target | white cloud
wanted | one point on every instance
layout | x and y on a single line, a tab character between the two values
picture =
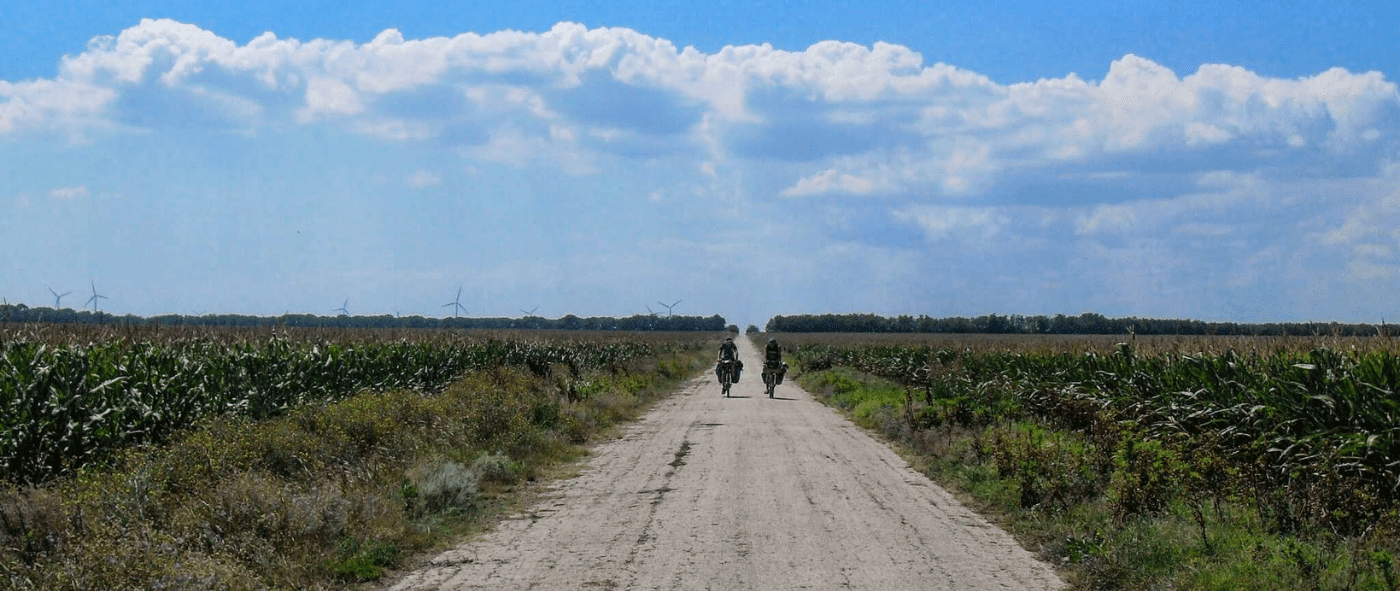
522	149
59	104
1147	161
1365	234
1358	225
1361	270
1209	211
1374	250
1108	219
1198	133
956	222
423	178
946	130
831	181
1376	215
331	96
69	193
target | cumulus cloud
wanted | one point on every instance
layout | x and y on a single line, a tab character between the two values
829	181
1365	234
67	105
1376	217
954	222
841	109
69	193
873	145
1146	185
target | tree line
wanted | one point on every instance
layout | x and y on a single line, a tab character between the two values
25	314
1087	323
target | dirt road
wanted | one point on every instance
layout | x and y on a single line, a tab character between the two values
742	493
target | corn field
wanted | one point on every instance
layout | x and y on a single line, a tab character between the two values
66	402
1307	436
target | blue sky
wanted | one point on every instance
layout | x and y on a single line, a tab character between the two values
1212	160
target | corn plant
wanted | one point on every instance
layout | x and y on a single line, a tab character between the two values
1294	427
64	405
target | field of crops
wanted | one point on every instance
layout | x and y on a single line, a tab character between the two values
150	458
1294	438
70	394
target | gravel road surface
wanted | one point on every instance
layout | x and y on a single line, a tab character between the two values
741	493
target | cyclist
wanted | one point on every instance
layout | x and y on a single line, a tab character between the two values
773	366
728	357
773	354
728	351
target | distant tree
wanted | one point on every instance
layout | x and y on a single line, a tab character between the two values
1085	323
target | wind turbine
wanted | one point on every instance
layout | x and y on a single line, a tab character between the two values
58	297
668	307
342	309
530	312
456	304
95	296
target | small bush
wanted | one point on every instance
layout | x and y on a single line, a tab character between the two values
445	484
364	560
867	409
1147	476
496	468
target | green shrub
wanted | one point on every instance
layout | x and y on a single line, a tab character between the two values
364	560
1147	475
496	467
